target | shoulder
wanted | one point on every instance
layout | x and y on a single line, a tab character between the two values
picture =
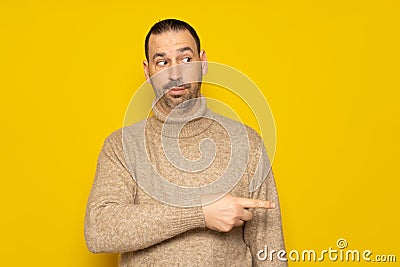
116	136
253	135
112	144
114	141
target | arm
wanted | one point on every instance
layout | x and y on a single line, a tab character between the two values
113	223
265	228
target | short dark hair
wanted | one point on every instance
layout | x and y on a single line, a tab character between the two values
170	25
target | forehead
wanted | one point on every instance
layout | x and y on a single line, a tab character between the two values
169	41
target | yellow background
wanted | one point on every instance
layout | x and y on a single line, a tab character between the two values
329	69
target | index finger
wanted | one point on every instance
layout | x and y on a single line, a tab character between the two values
255	203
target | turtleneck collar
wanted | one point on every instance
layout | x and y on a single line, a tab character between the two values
182	125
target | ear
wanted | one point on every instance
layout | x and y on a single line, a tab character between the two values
146	70
204	63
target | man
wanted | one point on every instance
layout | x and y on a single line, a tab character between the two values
153	204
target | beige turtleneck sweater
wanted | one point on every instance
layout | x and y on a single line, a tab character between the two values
128	212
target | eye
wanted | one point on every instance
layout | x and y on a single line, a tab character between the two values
161	63
186	59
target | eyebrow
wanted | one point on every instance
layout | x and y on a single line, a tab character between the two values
159	55
181	50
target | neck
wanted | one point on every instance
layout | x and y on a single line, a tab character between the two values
185	110
185	121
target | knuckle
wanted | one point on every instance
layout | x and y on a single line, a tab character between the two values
231	222
226	228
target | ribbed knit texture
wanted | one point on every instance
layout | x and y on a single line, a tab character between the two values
122	218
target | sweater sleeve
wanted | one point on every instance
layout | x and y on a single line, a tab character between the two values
264	231
114	223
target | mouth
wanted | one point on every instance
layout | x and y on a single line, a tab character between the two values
178	90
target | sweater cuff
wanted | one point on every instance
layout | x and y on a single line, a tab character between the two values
190	218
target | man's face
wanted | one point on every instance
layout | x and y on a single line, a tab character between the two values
170	69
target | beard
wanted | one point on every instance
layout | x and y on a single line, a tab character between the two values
170	102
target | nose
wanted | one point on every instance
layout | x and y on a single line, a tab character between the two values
175	73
